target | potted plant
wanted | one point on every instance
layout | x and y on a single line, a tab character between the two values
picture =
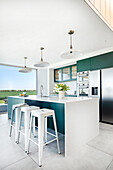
61	89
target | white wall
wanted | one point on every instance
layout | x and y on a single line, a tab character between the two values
51	80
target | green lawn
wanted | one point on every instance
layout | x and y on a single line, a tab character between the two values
5	94
2	101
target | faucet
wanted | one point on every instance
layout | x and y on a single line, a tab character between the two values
41	90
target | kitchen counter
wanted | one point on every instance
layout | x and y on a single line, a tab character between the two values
77	117
54	99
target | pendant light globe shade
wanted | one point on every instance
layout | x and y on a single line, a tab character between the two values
42	63
68	55
25	69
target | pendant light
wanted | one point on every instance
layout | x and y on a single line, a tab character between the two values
25	69
70	54
42	63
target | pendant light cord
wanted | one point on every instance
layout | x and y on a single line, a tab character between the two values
41	56
25	61
71	32
42	53
71	43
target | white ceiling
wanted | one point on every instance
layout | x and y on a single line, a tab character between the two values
26	25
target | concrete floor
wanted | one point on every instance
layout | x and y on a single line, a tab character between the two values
96	155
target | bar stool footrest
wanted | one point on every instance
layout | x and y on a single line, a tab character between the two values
50	141
43	143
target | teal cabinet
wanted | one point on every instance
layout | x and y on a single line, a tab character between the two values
84	65
64	74
102	61
95	63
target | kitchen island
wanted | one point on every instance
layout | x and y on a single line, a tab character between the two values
77	117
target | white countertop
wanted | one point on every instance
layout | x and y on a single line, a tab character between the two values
54	98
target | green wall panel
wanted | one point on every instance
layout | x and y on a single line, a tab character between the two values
84	65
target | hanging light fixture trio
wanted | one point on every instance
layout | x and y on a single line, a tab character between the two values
67	55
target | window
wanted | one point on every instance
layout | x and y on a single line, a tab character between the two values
12	82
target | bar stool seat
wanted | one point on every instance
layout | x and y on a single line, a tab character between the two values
16	108
41	115
26	111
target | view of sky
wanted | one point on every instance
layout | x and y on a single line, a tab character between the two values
11	79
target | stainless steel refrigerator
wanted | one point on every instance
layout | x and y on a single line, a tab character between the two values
106	95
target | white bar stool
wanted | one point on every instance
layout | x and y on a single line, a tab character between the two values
16	108
26	110
41	114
